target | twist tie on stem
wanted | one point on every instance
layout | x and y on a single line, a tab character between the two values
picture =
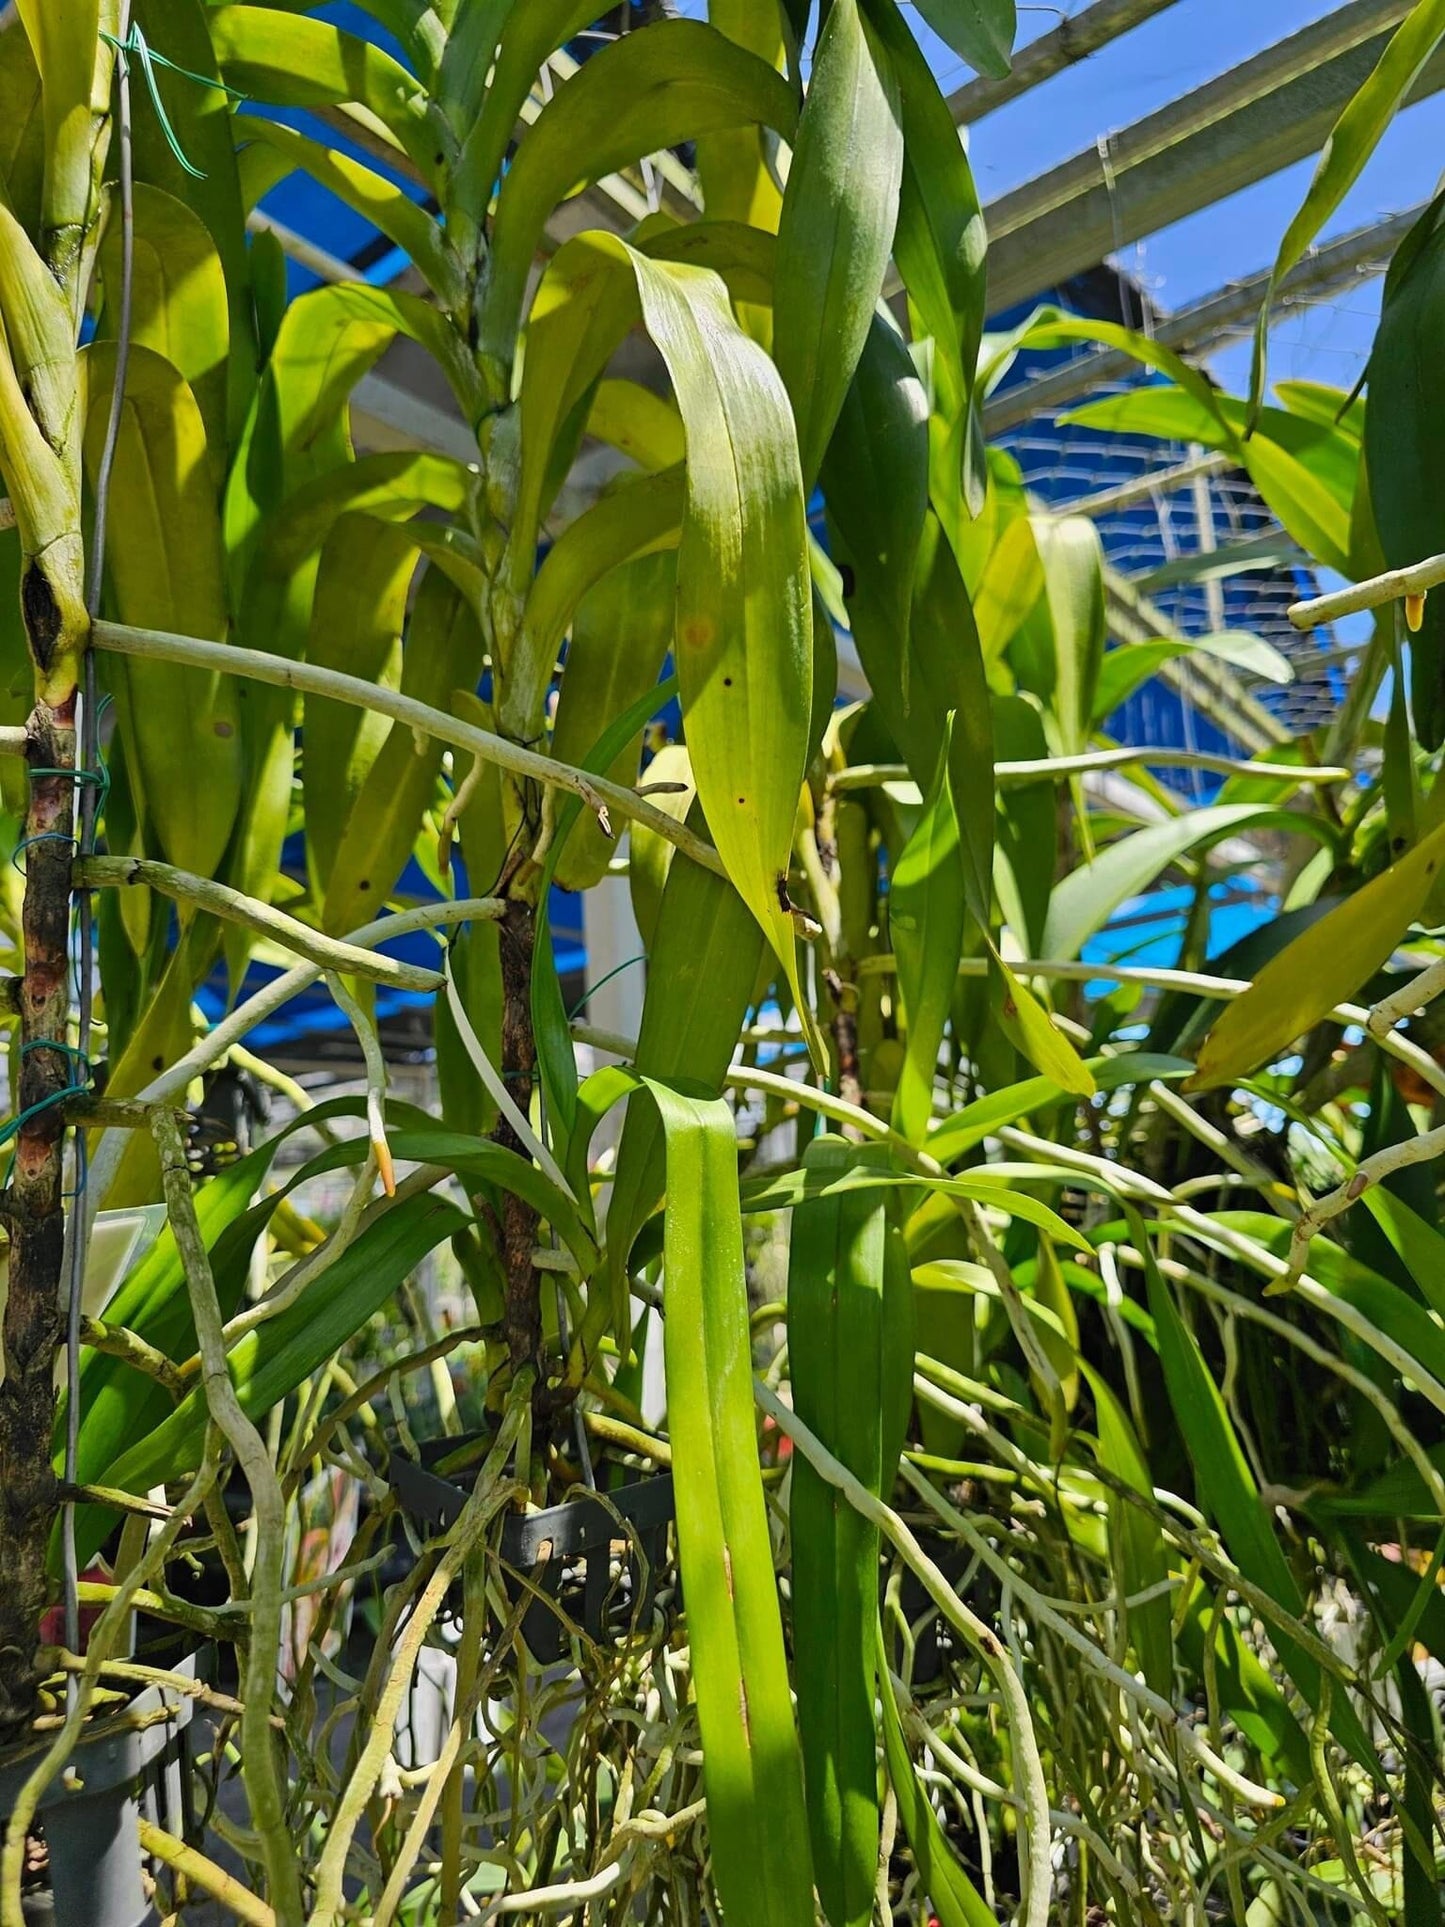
54	1043
135	43
99	778
45	836
17	1124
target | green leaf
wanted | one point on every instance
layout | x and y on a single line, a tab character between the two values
757	1825
1405	446
733	164
1027	826
940	247
271	1360
71	58
276	617
1130	665
204	124
745	257
637	423
621	634
1032	1031
798	1187
1073	562
165	571
837	1327
1229	1494
289	60
443	647
1161	409
702	971
983	1118
1143	1560
744	604
1354	138
299	427
363	582
178	300
634	518
650	855
1086	899
979	31
1418	1242
875	483
946	644
1226	1485
1324	966
22	132
926	919
376	199
647	91
485	102
838	219
947	649
956	1900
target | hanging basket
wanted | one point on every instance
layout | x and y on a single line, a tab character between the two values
599	1560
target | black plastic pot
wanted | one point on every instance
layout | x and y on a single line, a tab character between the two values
582	1556
91	1811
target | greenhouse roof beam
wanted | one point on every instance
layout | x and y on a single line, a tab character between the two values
1208	683
1237	129
1144	488
1054	53
1231	311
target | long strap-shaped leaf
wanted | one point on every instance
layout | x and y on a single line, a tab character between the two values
1229	1493
289	60
927	915
1352	141
837	225
850	1343
744	600
756	1822
939	248
956	1901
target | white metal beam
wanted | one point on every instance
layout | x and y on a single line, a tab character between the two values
1249	123
1053	53
385	415
1232	311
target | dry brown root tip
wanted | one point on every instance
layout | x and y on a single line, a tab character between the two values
1414	613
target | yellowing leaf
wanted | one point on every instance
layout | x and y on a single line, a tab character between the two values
1323	967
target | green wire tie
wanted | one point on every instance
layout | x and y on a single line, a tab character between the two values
135	43
100	777
17	1124
76	1055
45	836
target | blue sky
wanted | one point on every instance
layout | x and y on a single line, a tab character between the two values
1184	46
1187	44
